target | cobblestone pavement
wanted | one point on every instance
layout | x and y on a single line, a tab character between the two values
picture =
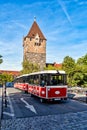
70	121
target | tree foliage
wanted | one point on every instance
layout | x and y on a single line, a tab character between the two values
68	64
1	60
50	67
29	67
6	78
77	72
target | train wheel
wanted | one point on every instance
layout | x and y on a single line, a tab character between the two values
65	98
31	95
26	92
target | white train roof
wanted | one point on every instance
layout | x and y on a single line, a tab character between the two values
44	72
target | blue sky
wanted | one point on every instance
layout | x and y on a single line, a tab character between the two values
63	22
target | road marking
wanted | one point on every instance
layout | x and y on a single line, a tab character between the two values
31	107
9	114
11	107
7	105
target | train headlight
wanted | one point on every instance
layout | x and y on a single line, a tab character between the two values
43	92
57	92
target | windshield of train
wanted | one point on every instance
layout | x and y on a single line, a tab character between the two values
56	79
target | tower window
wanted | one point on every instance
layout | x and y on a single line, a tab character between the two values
30	39
36	38
41	40
37	44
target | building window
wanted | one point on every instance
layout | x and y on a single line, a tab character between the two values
37	39
37	44
30	39
41	40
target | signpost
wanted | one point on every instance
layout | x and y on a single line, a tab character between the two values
5	96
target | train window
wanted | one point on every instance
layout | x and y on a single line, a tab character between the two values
43	80
28	79
31	81
36	79
56	79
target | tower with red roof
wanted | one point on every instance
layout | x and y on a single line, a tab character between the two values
34	46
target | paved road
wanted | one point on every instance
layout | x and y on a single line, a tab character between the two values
23	105
25	112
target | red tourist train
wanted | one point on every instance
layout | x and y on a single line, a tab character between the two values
47	85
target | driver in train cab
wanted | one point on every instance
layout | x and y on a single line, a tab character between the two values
54	81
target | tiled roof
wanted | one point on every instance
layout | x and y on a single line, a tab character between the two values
57	65
15	73
35	30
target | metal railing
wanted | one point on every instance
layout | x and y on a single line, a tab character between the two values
78	92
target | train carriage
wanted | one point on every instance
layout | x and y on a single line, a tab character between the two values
47	85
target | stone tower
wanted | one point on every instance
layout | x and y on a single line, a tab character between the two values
34	46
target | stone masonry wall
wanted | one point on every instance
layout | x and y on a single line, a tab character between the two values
38	58
29	46
35	53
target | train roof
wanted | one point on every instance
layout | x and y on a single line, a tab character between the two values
44	72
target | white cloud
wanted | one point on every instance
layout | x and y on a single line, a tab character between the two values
65	11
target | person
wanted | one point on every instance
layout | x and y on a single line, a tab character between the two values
42	83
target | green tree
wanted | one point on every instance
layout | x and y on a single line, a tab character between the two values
29	67
78	78
1	60
82	63
50	67
6	78
68	65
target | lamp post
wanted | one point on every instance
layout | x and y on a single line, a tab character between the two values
5	94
